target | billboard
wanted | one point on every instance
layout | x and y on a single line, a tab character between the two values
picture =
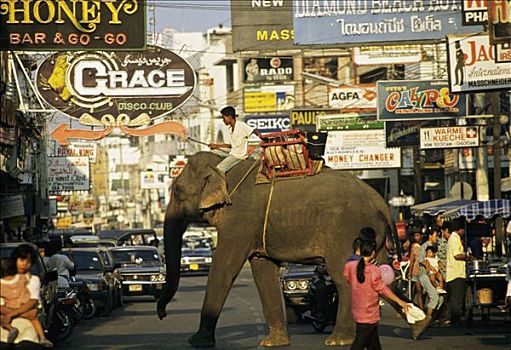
472	66
353	97
363	149
406	133
261	70
120	88
390	54
54	25
418	99
348	121
449	137
267	123
499	20
77	149
362	21
474	12
268	98
262	25
305	119
68	174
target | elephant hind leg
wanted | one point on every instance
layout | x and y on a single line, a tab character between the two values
266	276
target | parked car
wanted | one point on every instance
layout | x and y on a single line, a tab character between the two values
49	284
196	253
142	270
116	275
132	237
95	242
296	281
91	268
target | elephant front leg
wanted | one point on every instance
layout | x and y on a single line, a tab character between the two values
266	276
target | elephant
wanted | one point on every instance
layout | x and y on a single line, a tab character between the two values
309	220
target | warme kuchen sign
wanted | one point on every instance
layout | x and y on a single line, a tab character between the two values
449	137
115	89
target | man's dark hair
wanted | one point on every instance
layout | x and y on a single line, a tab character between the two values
23	251
367	233
455	225
229	110
433	248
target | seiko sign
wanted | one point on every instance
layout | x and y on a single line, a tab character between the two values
269	123
101	88
268	69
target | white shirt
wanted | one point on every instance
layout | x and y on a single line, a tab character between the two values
455	268
239	139
62	264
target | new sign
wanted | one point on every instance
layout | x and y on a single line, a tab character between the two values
68	174
121	88
53	25
269	98
362	21
449	137
420	99
268	69
472	66
364	149
353	97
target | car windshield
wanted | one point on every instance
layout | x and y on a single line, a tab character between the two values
87	261
136	257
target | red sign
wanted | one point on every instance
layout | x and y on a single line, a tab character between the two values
499	19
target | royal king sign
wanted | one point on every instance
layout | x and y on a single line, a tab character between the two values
56	25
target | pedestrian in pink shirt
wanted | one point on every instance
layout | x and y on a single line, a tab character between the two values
366	285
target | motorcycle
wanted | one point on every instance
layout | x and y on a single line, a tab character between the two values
323	301
63	321
84	306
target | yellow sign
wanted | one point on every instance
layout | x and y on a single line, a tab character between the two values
260	101
274	98
64	222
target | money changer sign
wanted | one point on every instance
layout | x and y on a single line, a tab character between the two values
72	25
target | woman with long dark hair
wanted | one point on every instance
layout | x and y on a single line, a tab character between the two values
366	285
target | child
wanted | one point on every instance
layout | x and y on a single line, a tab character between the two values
433	269
16	293
366	285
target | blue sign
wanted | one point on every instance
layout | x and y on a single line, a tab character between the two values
376	21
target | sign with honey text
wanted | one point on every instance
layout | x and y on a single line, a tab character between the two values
418	99
68	174
54	25
115	89
499	20
475	12
449	137
353	97
362	149
472	66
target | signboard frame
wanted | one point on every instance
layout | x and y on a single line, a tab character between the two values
427	137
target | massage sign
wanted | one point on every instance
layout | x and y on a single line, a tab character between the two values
50	25
124	90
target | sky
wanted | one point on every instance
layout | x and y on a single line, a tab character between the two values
191	15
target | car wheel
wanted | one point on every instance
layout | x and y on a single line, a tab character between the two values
292	315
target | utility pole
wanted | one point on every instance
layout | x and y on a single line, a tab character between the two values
495	110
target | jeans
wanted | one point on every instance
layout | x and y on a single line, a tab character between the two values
366	337
228	162
456	289
434	301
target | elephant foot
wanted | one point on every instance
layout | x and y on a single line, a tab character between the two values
280	339
202	340
339	340
420	327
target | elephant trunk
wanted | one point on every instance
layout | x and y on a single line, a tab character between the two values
173	237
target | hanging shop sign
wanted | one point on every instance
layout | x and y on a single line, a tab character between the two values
418	99
121	89
406	133
268	69
363	149
389	54
177	165
474	12
353	97
262	25
268	98
305	119
472	66
154	180
502	53
53	25
348	121
68	174
77	149
449	137
499	20
363	21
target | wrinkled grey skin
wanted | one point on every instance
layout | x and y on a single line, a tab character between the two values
312	219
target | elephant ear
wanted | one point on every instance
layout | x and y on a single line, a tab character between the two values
214	189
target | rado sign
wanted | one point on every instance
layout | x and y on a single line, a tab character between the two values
101	88
268	69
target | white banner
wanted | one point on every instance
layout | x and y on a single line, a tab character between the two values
472	65
68	174
392	54
360	96
363	149
77	149
449	137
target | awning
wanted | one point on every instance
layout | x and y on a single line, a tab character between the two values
440	206
487	209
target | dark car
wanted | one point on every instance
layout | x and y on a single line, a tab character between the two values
131	237
49	284
296	281
116	275
196	253
91	268
142	270
92	243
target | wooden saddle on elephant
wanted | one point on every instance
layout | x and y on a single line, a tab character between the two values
285	154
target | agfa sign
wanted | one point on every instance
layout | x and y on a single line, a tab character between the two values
118	88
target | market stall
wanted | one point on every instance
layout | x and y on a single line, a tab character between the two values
488	275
